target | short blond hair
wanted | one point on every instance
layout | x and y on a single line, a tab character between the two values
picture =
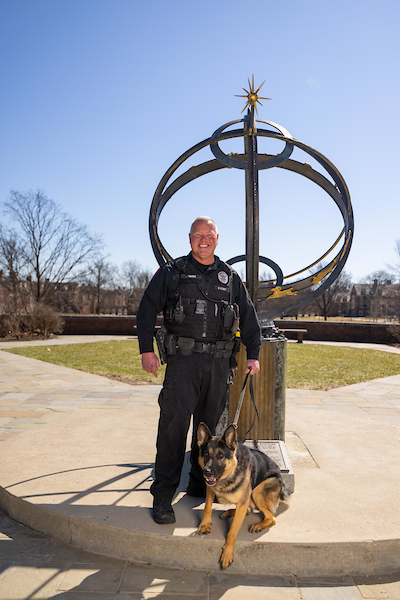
204	219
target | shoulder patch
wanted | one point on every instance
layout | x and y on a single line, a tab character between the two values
223	277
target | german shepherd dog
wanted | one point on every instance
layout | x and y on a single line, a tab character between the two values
237	475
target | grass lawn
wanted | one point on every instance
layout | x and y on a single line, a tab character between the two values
309	366
117	359
320	367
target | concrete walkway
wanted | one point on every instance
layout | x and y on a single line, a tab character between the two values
76	458
34	567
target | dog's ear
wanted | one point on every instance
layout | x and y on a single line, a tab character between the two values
203	434
230	437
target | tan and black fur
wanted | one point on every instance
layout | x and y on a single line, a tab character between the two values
237	475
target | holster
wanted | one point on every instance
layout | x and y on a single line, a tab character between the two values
160	341
170	344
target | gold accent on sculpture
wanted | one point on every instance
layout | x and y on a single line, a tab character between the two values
347	243
322	274
279	292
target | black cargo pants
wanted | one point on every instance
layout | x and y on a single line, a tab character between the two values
193	385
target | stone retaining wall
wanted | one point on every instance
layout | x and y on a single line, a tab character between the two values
377	333
333	331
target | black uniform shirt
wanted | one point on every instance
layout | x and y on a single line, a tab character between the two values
155	296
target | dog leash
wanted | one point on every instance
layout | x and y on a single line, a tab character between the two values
239	407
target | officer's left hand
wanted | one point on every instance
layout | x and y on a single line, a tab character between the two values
253	366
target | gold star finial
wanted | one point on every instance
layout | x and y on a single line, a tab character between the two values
252	95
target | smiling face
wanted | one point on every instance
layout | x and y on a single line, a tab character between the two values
203	241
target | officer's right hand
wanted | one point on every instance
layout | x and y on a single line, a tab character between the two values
150	363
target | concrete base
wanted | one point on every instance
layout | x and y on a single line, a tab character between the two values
276	449
85	480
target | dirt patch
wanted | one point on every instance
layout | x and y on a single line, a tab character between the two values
133	381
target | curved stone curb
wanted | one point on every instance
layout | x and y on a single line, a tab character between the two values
202	553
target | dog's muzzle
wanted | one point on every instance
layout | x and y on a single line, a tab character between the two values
211	481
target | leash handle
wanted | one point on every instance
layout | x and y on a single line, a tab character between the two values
239	406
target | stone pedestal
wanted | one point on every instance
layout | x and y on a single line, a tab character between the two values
276	450
268	429
269	393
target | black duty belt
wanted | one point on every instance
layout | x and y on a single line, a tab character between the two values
204	347
186	346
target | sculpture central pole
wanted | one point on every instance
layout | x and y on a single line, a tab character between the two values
252	206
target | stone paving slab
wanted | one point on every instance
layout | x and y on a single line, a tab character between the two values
49	569
66	390
41	389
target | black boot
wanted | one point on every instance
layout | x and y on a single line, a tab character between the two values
163	513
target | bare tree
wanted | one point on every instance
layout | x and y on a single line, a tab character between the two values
134	280
379	278
267	275
395	267
55	247
325	302
130	271
12	266
14	289
100	281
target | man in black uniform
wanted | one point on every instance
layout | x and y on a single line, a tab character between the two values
203	300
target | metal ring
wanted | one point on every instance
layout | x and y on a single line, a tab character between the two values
337	190
262	162
266	261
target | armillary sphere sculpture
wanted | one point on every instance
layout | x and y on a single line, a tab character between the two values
284	294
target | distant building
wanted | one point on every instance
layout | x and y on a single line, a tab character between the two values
361	299
376	300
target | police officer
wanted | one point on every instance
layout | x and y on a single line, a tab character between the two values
203	301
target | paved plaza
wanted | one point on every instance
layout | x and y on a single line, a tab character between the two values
77	452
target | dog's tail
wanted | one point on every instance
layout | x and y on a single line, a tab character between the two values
275	480
284	494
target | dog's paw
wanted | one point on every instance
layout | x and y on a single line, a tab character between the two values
231	513
226	556
228	514
204	528
257	527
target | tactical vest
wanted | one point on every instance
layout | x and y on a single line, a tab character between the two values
196	306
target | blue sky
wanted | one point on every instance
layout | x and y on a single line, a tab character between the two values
99	97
